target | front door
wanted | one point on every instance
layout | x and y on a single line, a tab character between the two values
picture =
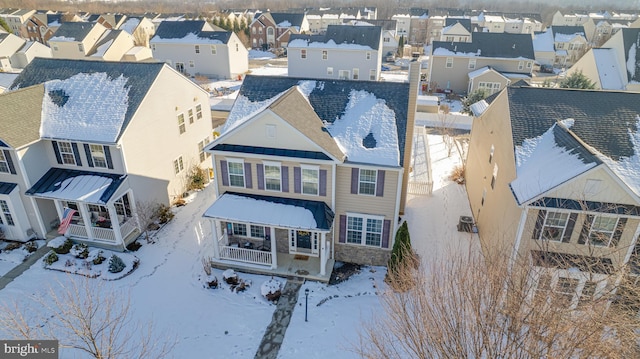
303	242
180	67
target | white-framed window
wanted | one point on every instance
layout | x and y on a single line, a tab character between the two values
325	54
236	172
237	48
449	63
239	229
373	75
356	74
153	47
80	47
588	292
303	54
364	230
528	64
191	63
367	181
214	51
203	155
198	111
178	165
98	156
4	165
555	223
343	74
66	153
489	87
494	176
55	47
181	126
330	71
602	230
197	49
4	206
368	55
472	64
260	30
272	176
190	112
449	39
566	289
520	65
257	231
310	179
253	30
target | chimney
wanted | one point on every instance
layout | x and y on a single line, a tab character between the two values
414	87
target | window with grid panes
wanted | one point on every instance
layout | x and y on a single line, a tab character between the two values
367	182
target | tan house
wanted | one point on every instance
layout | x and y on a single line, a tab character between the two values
112	46
456	30
545	180
570	44
74	40
79	135
451	62
331	192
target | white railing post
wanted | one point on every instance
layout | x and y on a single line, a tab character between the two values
323	254
274	253
216	241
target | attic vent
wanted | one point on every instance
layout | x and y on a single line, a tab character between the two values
59	97
369	141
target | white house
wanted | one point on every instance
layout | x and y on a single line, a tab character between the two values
194	48
74	40
92	136
343	52
9	45
29	51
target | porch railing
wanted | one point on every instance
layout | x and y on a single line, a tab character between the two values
127	228
77	231
245	255
101	234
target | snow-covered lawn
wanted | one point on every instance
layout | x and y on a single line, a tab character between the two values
169	285
11	258
260	55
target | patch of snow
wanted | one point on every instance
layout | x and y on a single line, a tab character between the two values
365	114
102	49
130	25
94	111
62	39
270	287
244	109
536	162
628	168
298	43
607	65
543	42
260	55
284	24
236	208
56	242
631	62
190	38
479	107
567	37
306	87
84	188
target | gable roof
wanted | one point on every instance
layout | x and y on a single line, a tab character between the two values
487	44
133	78
606	122
190	31
380	106
73	31
104	42
450	21
608	72
21	110
341	36
384	24
567	33
631	43
77	185
285	19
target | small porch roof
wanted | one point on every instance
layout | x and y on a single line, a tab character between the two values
74	185
6	187
272	211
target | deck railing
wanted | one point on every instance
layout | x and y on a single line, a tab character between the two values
245	255
101	234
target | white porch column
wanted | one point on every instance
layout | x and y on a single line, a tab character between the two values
86	219
274	255
323	253
59	208
216	239
115	224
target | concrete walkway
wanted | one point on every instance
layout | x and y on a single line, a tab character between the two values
20	268
274	334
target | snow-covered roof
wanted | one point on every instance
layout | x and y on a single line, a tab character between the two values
130	25
188	32
74	185
272	211
608	71
73	31
479	107
341	37
367	120
543	42
485	44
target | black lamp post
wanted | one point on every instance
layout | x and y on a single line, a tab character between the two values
306	303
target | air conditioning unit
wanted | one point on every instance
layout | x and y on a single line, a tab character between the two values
465	224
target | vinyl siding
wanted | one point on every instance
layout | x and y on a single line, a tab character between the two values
367	204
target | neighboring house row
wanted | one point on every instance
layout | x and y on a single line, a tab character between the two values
389	37
270	29
15	19
16	53
92	136
320	19
614	66
193	48
315	169
343	52
551	175
490	61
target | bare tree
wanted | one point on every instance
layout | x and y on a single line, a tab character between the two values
86	316
145	217
471	306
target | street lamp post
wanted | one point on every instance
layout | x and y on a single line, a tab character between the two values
306	303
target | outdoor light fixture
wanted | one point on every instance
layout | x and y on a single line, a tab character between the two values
306	303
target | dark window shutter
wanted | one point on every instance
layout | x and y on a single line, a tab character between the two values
87	152
76	153
7	157
323	182
107	156
571	222
260	173
380	184
618	233
248	183
386	231
284	172
539	222
355	179
297	179
224	172
342	237
57	152
267	233
586	227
